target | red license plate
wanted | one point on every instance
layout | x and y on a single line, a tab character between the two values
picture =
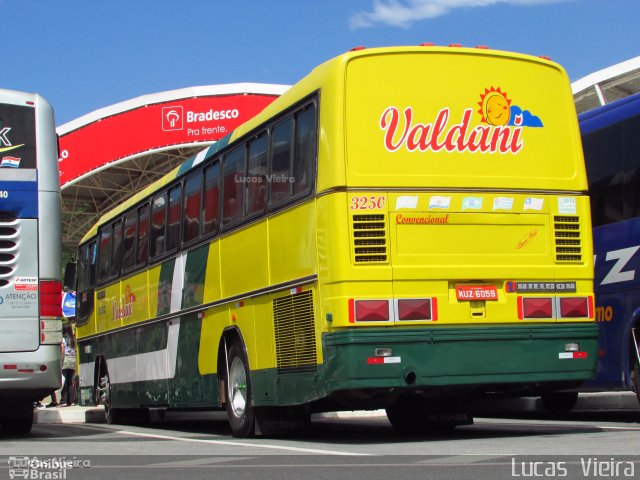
476	292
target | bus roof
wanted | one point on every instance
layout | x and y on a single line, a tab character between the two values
310	83
609	114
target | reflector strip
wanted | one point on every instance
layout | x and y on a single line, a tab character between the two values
563	355
520	313
434	309
381	360
352	309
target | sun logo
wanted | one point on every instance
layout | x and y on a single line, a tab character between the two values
494	106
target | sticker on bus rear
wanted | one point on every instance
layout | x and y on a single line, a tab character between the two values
26	283
567	205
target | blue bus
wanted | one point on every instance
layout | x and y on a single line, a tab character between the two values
30	258
611	141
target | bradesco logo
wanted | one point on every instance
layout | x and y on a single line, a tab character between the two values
174	118
500	130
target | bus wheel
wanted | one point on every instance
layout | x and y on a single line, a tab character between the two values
103	395
415	416
18	425
21	419
240	411
559	402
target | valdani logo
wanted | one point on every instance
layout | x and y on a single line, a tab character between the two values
124	308
499	131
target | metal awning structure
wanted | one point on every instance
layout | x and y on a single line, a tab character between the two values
110	154
607	85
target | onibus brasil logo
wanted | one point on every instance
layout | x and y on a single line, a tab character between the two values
500	129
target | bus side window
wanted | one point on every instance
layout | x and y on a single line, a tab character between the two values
104	261
93	264
305	149
158	224
192	208
129	246
175	212
142	252
281	152
606	174
631	152
257	174
211	198
233	186
86	282
116	253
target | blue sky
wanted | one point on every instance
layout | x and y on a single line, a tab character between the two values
87	54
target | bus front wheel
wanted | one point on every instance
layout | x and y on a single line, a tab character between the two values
238	404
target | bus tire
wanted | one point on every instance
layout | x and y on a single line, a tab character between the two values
416	416
18	426
104	397
238	403
559	402
20	421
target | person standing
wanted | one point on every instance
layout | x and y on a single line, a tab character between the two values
67	397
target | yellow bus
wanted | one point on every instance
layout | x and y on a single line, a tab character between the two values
406	228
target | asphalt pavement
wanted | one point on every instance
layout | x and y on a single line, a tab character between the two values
586	402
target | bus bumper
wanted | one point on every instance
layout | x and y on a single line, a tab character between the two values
484	358
33	379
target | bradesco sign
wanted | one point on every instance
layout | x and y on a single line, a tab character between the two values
150	127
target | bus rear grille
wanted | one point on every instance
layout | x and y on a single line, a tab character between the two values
369	239
568	240
9	229
295	333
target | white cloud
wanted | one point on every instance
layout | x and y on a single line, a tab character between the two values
402	13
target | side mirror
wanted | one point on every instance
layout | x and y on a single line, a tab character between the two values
69	277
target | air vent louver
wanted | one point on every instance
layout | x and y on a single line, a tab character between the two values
295	333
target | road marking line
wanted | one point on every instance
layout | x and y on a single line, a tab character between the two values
240	444
605	427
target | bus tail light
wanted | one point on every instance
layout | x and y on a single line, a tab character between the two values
50	298
50	331
417	309
50	312
548	307
574	307
370	310
535	307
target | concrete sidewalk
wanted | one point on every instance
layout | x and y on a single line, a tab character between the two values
74	414
586	402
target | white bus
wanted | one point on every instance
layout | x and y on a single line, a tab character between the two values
30	258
